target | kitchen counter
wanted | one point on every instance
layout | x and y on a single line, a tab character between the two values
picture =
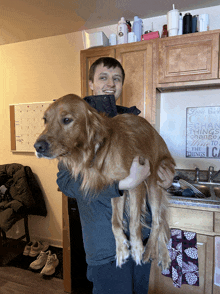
202	204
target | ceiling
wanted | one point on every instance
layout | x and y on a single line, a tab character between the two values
22	20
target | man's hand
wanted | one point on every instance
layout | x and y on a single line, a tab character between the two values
138	173
166	175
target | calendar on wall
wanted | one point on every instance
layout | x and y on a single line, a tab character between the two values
26	125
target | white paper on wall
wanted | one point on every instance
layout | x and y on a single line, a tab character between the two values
28	124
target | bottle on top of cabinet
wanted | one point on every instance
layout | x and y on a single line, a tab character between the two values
128	25
122	31
137	27
164	32
180	29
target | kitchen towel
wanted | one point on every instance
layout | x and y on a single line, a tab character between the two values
217	262
184	268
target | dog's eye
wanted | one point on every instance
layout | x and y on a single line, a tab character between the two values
45	120
67	120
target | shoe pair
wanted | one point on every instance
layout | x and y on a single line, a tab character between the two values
34	248
47	260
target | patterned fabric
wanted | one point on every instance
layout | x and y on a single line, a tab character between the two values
183	252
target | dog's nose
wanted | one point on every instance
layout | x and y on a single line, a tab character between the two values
41	146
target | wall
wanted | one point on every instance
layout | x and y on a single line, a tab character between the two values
38	70
42	70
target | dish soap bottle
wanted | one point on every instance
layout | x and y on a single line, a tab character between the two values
122	31
137	27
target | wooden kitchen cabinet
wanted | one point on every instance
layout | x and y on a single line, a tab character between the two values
137	61
217	223
202	223
189	57
194	220
160	284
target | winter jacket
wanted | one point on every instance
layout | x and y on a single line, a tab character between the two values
25	192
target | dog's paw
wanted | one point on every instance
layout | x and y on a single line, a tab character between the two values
137	250
149	253
164	260
122	253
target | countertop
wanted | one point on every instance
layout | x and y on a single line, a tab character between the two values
194	203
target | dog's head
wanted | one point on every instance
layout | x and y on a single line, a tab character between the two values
71	127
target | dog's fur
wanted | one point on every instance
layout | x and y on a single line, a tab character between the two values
102	149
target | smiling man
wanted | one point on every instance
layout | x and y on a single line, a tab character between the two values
106	78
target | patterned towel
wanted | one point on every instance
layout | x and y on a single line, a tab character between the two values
183	252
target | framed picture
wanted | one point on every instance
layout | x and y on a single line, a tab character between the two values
203	132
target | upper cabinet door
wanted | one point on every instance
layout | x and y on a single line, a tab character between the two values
189	58
87	57
137	61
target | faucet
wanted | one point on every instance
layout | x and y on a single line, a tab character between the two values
210	174
197	172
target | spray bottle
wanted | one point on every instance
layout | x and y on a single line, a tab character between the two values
122	31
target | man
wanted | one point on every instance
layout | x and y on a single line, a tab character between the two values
106	78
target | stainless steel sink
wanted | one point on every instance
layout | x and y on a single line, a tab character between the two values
204	189
209	191
217	191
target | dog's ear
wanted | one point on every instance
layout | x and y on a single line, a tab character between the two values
96	127
95	132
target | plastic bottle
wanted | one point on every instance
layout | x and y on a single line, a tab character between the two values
137	27
164	32
128	25
180	30
187	23
173	22
122	31
194	23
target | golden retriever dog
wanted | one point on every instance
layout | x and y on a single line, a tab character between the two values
102	149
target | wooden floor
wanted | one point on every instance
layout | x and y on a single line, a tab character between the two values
18	281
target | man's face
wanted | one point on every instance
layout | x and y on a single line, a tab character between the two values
107	81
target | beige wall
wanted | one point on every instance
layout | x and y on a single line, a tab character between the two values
32	71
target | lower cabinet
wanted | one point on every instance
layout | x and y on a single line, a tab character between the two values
160	284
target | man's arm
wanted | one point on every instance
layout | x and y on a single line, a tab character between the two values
71	186
138	173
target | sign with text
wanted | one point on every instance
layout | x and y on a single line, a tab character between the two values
203	132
